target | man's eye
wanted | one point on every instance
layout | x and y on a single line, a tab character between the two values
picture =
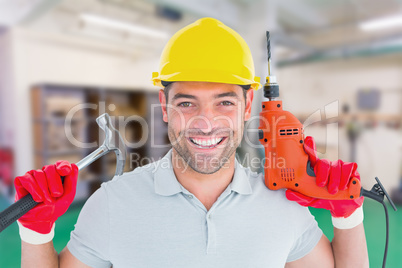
185	104
226	103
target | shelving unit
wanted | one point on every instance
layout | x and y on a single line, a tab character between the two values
131	114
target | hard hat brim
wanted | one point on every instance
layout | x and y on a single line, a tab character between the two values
206	76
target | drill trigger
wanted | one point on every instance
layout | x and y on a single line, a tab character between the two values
310	169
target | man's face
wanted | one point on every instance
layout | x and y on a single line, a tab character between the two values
205	122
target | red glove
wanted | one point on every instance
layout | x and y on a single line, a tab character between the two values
336	175
46	187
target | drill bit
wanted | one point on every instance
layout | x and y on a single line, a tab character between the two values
269	52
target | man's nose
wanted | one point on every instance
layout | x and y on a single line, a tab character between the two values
204	120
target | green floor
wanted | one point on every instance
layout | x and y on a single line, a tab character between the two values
374	222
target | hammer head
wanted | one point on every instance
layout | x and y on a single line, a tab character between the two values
113	141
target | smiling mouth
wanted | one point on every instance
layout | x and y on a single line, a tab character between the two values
206	143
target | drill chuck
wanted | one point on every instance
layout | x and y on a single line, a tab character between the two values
271	90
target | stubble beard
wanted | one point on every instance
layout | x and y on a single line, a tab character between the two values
203	163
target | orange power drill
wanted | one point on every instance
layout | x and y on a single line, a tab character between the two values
286	164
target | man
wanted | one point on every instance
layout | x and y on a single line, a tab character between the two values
196	207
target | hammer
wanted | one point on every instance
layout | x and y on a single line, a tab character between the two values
113	142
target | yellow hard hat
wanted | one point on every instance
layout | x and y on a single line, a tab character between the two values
207	51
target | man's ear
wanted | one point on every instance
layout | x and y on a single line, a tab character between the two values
163	101
247	111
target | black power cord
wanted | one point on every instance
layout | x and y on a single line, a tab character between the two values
377	193
386	235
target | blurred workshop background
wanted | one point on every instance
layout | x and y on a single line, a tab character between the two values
338	63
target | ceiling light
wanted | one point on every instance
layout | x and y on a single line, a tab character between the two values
383	23
120	25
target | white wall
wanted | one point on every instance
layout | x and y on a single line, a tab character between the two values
7	96
307	88
321	83
40	57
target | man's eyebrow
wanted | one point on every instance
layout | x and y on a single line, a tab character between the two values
180	95
227	94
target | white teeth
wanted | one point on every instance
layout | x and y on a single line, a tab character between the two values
206	143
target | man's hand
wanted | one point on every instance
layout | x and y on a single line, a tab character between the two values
349	243
46	187
36	226
336	176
